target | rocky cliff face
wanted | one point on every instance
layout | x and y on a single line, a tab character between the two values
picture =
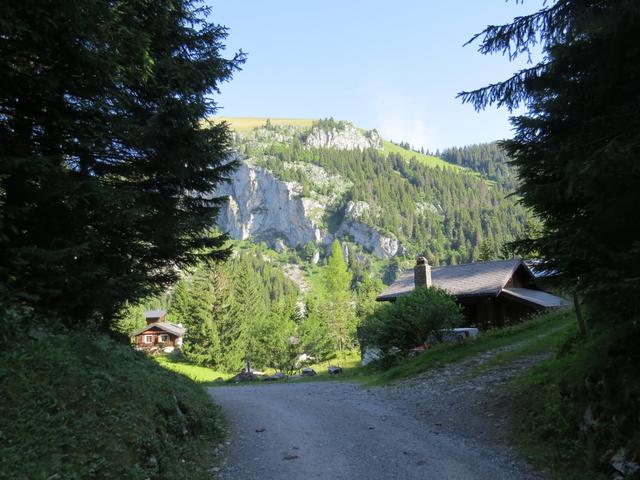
362	234
262	207
346	138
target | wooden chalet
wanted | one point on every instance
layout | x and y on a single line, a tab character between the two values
158	334
492	294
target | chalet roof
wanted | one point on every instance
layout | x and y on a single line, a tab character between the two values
155	313
537	297
470	279
538	270
165	326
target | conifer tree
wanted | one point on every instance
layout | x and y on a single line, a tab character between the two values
192	307
314	330
577	149
337	282
105	161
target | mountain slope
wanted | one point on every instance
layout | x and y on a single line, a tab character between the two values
302	183
488	159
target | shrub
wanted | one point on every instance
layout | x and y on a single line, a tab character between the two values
411	320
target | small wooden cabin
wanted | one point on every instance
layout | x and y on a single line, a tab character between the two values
492	294
158	334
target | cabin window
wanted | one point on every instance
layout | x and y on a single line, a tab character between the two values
148	339
164	338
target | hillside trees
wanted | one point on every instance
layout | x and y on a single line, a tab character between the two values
340	315
489	159
191	305
444	212
102	151
577	149
233	311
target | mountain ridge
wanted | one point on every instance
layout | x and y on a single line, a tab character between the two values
310	182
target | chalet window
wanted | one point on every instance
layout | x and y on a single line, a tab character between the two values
164	338
148	339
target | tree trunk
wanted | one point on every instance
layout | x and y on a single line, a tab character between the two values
584	331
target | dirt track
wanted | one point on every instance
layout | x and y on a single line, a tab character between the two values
432	427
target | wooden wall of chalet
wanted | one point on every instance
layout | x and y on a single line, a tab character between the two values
155	333
486	312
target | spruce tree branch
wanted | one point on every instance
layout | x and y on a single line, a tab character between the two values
510	93
546	26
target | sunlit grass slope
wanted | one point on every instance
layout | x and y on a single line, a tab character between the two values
245	125
428	160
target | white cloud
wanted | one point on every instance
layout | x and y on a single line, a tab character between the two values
399	117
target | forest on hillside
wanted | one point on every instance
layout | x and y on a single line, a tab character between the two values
488	159
449	215
247	309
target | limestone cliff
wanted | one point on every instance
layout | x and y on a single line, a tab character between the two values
344	137
262	207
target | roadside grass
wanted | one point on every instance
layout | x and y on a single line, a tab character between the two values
545	421
79	405
194	372
448	353
597	374
547	342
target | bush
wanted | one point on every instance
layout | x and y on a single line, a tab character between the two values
411	320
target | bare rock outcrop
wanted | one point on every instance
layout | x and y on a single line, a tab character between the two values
265	208
346	137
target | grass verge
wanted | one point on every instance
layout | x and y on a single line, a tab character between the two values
574	411
194	372
444	354
78	406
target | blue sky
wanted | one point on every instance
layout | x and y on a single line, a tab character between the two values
392	65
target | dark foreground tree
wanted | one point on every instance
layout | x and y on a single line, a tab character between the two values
104	156
578	148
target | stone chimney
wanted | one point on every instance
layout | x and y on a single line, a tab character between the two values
422	273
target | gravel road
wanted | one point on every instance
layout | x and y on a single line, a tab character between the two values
432	427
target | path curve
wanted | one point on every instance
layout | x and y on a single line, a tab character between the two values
338	430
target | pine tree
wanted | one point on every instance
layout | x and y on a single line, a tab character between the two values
249	308
191	306
105	162
314	330
486	251
577	149
337	282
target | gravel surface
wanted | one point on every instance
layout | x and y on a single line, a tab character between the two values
438	426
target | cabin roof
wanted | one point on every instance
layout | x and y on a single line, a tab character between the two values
536	297
465	280
165	326
155	313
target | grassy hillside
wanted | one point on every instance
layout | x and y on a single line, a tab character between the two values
78	406
543	334
578	409
427	160
245	125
